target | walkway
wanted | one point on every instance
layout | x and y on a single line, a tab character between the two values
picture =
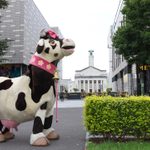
69	126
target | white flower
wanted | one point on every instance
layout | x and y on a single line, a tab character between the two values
40	62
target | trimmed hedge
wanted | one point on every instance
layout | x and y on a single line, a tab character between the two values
117	117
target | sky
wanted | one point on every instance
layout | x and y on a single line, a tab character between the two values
87	23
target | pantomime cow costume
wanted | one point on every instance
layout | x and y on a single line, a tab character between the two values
32	96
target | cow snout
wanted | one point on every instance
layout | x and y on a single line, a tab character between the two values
68	44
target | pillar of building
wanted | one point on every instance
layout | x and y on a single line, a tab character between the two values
91	58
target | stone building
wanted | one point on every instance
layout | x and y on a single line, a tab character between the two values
91	79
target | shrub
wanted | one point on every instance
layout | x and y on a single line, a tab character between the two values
117	117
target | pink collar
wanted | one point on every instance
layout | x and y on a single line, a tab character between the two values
43	64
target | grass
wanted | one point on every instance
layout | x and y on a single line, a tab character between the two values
119	146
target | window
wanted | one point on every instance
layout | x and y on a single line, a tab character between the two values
81	84
95	89
90	84
82	90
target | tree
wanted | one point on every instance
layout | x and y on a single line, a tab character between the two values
75	89
3	46
3	42
132	39
3	4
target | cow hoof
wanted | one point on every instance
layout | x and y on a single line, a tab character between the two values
2	138
41	142
53	136
6	136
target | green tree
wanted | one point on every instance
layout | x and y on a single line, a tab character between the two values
75	89
3	4
3	42
3	46
132	38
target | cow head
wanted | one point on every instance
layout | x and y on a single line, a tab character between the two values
52	48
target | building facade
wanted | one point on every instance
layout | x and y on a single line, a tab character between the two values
21	23
123	76
91	79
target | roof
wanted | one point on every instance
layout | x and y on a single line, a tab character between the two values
91	72
90	67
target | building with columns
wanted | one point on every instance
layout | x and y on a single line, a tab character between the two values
91	79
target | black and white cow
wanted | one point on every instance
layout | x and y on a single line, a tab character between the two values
32	96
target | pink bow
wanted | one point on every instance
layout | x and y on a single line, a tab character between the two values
52	34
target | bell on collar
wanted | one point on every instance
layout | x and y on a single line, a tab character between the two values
56	77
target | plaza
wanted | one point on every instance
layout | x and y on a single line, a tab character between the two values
69	126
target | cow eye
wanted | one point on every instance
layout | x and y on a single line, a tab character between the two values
52	42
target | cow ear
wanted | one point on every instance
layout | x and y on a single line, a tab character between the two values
43	33
40	46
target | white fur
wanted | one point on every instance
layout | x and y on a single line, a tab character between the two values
41	42
8	97
34	137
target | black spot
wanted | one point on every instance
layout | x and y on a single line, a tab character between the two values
56	55
21	102
44	106
1	126
47	50
37	126
39	49
3	129
54	46
48	122
6	84
38	91
40	83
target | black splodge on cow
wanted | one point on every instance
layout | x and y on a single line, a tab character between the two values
32	96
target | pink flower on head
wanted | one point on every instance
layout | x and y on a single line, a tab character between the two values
52	34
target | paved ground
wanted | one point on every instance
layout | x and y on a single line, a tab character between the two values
70	128
70	103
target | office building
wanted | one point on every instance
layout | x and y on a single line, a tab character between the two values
122	76
21	23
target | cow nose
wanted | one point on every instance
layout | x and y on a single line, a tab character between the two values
67	40
68	44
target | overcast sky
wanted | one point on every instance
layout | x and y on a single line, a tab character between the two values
88	23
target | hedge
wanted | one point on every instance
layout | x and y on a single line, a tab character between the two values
117	117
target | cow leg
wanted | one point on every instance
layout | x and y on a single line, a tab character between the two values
5	134
2	138
50	133
38	138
